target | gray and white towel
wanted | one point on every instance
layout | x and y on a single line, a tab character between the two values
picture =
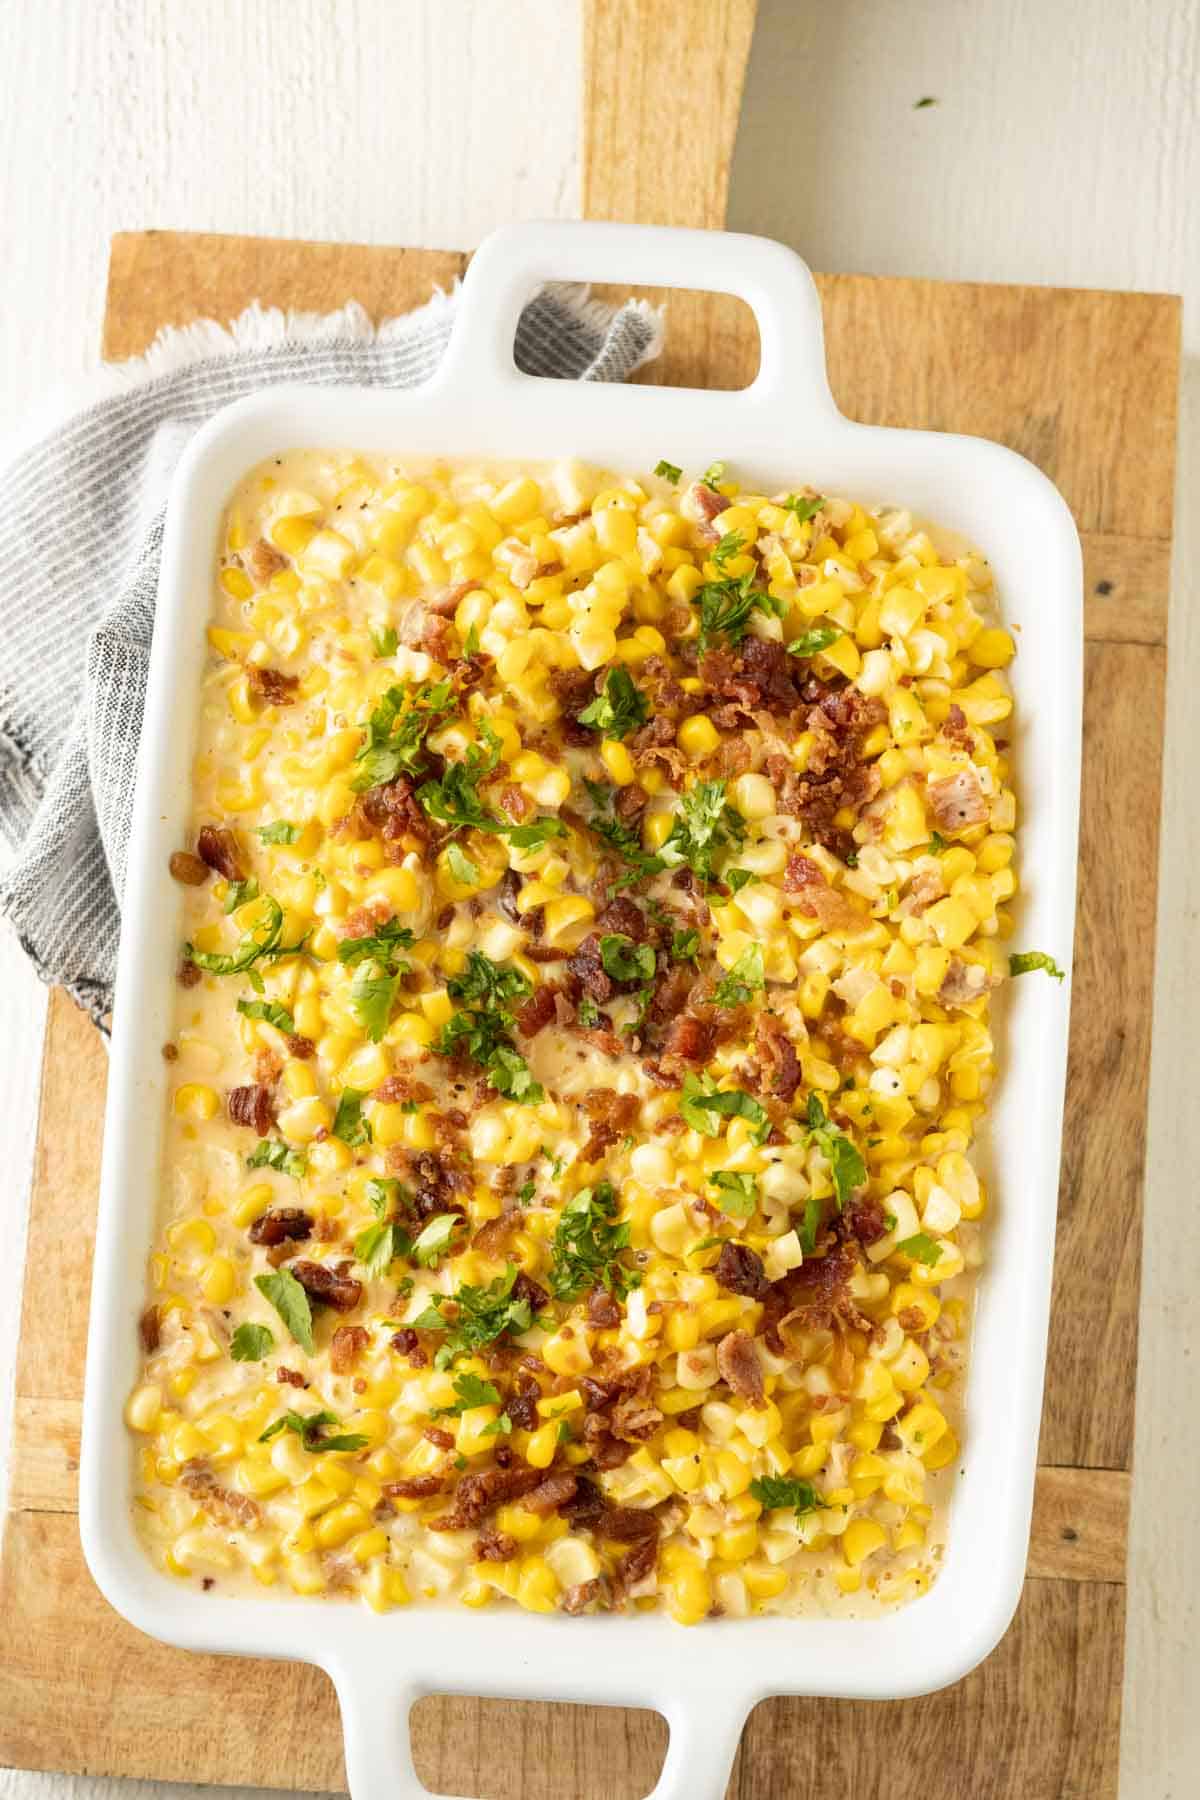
80	536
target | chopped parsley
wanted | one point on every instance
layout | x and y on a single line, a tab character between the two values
685	946
702	1105
348	1122
482	1030
726	607
588	1013
936	844
737	1194
470	1391
471	642
668	471
715	472
619	708
921	1248
261	941
250	1343
384	641
273	1153
464	871
291	1303
479	1316
396	732
270	1012
240	892
378	1246
588	1244
813	1213
847	1169
925	100
804	510
743	980
626	961
310	1429
704	824
732	544
775	1492
454	799
436	1238
620	837
1023	961
819	638
281	831
377	978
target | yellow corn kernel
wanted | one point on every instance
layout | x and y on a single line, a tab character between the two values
861	1538
143	1408
689	1594
542	1444
737	1543
991	649
698	736
567	921
941	1454
192	1237
617	761
732	1473
763	1582
196	1100
517	1522
340	1524
537	1586
218	1282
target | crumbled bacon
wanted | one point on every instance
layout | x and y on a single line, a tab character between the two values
602	1310
815	1296
438	638
629	803
865	1219
579	1597
574	689
689	1040
282	1224
537	1012
655	743
700	505
492	1236
253	1106
777	1059
476	1495
525	1288
738	1364
957	802
521	1406
415	1487
443	1439
329	1286
626	1524
188	868
262	560
495	1546
835	777
758	677
365	921
910	1318
557	1490
741	1270
402	1089
150	1329
963	983
219	849
636	1569
611	1115
347	1345
290	1378
272	687
406	1343
956	731
625	918
220	1503
634	1419
188	975
393	812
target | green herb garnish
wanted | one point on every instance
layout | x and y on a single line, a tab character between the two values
775	1492
479	1316
921	1248
743	980
804	510
726	607
384	641
310	1429
464	871
483	1030
619	708
396	732
685	946
291	1303
588	1244
819	638
715	472
281	831
1023	961
273	1153
626	961
262	940
847	1169
250	1343
668	471
348	1122
270	1012
704	824
737	1194
732	544
436	1238
702	1105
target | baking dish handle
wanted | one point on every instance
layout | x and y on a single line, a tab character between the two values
514	262
376	1705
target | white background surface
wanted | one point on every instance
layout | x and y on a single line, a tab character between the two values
1065	148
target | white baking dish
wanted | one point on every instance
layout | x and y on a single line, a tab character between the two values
782	430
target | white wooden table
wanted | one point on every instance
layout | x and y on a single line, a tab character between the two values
1064	147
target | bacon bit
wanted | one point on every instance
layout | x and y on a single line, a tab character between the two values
741	1270
689	1040
192	870
290	1378
634	1419
956	731
280	1225
608	1452
636	1569
415	1487
407	1343
150	1329
777	1058
700	505
910	1318
522	563
626	1524
329	1287
476	1495
586	970
624	917
219	849
864	1220
447	603
263	560
495	1546
251	1106
738	1364
492	1237
963	983
402	1088
325	1229
537	1012
815	1297
443	1439
170	1052
836	909
957	801
655	743
578	1598
365	921
557	1490
612	1115
802	873
525	1288
302	1048
187	975
515	802
272	687
629	803
438	639
347	1345
220	1503
603	1313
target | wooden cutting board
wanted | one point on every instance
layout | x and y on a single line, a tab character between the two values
1085	385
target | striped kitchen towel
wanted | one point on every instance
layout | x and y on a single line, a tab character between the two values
80	537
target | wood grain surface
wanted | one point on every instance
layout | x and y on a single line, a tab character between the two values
82	1691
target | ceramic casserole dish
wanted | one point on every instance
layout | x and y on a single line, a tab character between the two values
782	429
